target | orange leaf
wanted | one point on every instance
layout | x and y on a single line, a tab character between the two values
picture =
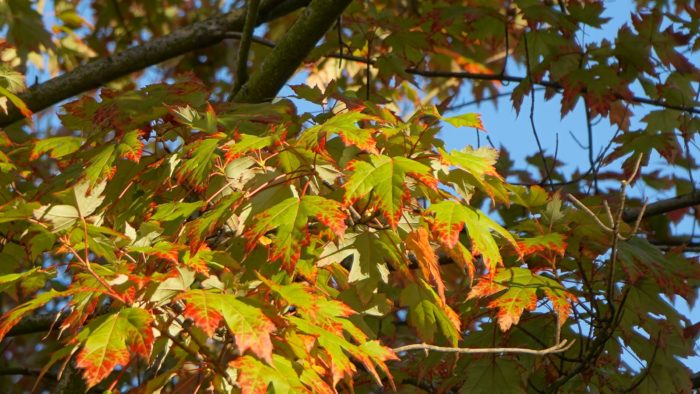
419	244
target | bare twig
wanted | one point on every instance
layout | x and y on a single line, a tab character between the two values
545	83
547	174
591	160
558	348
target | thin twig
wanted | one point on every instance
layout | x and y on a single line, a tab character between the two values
590	213
589	129
89	269
558	348
485	77
244	46
646	371
547	174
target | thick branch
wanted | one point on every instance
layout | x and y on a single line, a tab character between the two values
97	72
35	324
244	45
283	61
664	206
558	348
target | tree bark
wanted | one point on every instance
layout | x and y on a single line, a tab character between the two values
318	17
100	71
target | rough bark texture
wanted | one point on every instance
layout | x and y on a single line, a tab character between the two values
318	17
97	72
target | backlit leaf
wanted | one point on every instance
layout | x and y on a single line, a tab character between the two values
385	178
450	217
517	290
290	219
248	324
111	340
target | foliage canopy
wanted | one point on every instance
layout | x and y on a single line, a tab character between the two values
204	233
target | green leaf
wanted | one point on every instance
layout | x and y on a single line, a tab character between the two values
521	287
290	219
493	375
345	126
17	102
449	219
466	120
247	323
176	210
28	276
198	229
255	377
61	217
100	165
56	147
173	286
427	313
320	309
12	317
111	340
199	161
385	177
479	170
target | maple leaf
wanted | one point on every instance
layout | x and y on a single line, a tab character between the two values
518	289
17	102
460	254
385	177
56	147
198	229
552	241
493	375
197	167
131	147
255	377
326	319
466	120
247	143
176	210
427	313
101	165
368	353
290	219
419	244
345	126
162	249
449	219
477	169
325	312
110	340
250	326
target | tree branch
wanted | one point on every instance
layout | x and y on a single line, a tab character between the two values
244	45
35	324
547	84
558	348
664	206
318	17
97	72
